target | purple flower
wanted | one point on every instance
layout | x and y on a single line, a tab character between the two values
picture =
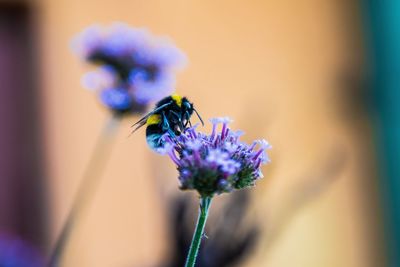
16	253
116	98
129	59
216	163
101	78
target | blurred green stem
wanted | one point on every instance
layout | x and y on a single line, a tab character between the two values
87	187
199	231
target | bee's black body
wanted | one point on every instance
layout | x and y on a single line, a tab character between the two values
171	115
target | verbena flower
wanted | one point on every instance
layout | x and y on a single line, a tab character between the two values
16	253
134	67
218	162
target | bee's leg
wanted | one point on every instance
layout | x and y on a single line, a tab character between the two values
160	142
187	117
166	126
171	133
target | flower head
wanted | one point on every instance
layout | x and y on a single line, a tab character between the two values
16	253
216	163
129	59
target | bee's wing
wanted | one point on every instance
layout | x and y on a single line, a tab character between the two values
142	121
139	125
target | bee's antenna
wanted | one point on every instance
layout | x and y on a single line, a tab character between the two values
198	115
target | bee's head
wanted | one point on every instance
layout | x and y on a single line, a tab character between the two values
188	109
187	106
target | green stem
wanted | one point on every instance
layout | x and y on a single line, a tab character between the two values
199	231
86	189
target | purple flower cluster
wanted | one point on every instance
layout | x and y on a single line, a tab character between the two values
134	67
216	163
16	253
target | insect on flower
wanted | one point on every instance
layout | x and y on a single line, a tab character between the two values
170	116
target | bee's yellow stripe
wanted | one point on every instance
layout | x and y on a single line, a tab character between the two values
153	119
177	99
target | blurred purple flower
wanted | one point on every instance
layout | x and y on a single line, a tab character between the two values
129	59
100	78
16	253
116	98
216	163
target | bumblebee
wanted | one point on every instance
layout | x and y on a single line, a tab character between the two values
171	115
